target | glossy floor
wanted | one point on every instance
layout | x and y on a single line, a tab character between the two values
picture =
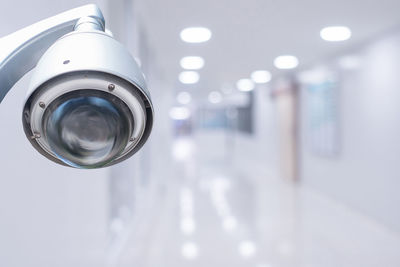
216	213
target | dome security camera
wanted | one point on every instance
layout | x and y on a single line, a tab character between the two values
87	105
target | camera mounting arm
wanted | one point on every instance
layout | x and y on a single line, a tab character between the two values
21	50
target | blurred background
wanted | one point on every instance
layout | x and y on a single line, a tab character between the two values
274	142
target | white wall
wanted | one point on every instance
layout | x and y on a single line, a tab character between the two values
266	132
366	173
141	176
49	215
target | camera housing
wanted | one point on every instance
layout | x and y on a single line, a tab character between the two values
87	104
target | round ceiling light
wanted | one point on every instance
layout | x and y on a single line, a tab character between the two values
261	76
179	113
189	77
195	35
245	85
192	63
286	62
184	98
335	33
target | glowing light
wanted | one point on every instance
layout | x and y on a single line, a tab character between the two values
182	149
247	249
192	63
189	77
190	250
184	98
195	35
179	113
245	85
286	62
335	33
261	76
188	226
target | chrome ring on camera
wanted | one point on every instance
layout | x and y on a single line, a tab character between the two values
82	80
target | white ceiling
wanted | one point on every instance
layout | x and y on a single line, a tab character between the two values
248	35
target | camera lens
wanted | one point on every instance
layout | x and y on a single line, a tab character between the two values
87	128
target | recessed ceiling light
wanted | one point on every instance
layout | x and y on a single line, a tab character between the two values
245	85
286	62
179	113
183	98
189	77
261	76
335	33
214	97
195	35
192	63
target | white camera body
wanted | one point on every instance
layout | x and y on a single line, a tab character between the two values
87	104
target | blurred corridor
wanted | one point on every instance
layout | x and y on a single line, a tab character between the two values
218	214
274	143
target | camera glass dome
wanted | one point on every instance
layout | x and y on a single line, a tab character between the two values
87	128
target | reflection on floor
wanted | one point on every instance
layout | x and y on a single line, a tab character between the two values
214	213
